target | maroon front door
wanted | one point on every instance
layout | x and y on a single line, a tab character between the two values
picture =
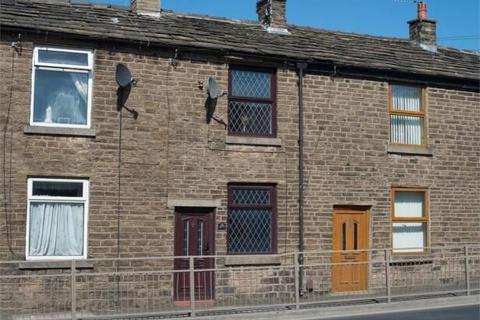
194	236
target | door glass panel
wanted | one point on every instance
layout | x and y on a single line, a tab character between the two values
355	236
185	237
200	238
344	236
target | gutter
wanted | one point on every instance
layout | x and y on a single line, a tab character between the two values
301	66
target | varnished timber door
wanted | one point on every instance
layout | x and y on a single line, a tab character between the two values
350	245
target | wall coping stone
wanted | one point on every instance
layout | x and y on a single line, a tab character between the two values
255	141
60	131
410	150
202	203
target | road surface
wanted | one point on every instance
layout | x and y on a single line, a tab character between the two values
453	313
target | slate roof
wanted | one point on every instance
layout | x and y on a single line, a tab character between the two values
171	29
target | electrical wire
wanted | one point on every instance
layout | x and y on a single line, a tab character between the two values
7	199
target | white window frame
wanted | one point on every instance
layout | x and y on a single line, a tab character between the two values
62	67
84	200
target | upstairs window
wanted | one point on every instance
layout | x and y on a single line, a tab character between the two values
407	115
251	103
251	219
62	88
410	220
57	219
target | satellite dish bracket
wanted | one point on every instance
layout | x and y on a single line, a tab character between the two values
220	121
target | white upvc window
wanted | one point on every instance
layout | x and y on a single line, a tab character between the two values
61	88
57	219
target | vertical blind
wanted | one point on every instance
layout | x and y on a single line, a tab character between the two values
406	129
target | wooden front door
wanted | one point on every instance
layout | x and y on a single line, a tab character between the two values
350	245
194	236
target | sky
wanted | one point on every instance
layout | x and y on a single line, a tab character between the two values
458	21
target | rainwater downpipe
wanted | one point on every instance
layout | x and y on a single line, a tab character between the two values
301	66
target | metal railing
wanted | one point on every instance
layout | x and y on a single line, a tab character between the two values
142	287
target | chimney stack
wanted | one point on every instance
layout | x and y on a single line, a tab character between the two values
272	15
146	7
423	31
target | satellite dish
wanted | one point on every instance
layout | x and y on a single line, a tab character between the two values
212	88
123	76
122	96
125	81
210	105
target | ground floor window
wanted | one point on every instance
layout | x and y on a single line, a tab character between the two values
57	218
251	219
410	220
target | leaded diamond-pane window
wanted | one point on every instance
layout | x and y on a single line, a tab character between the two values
251	196
251	219
251	84
251	106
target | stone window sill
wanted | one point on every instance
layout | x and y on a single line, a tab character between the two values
410	150
250	260
58	131
43	265
254	141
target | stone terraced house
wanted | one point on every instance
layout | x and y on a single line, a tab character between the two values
319	141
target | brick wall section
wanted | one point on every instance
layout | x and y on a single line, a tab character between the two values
170	152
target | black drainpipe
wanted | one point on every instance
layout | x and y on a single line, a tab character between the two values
301	66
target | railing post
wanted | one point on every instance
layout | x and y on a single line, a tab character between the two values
74	291
297	280
387	275
191	270
467	271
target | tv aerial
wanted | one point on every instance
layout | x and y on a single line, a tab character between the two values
213	93
125	83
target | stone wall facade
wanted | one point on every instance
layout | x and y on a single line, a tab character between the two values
170	153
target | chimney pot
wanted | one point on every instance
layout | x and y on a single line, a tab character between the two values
422	10
423	31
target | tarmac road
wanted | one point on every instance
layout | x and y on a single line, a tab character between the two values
454	313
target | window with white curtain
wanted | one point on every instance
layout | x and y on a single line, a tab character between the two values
57	215
407	115
62	87
410	220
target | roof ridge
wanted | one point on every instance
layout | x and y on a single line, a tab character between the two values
85	4
215	33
